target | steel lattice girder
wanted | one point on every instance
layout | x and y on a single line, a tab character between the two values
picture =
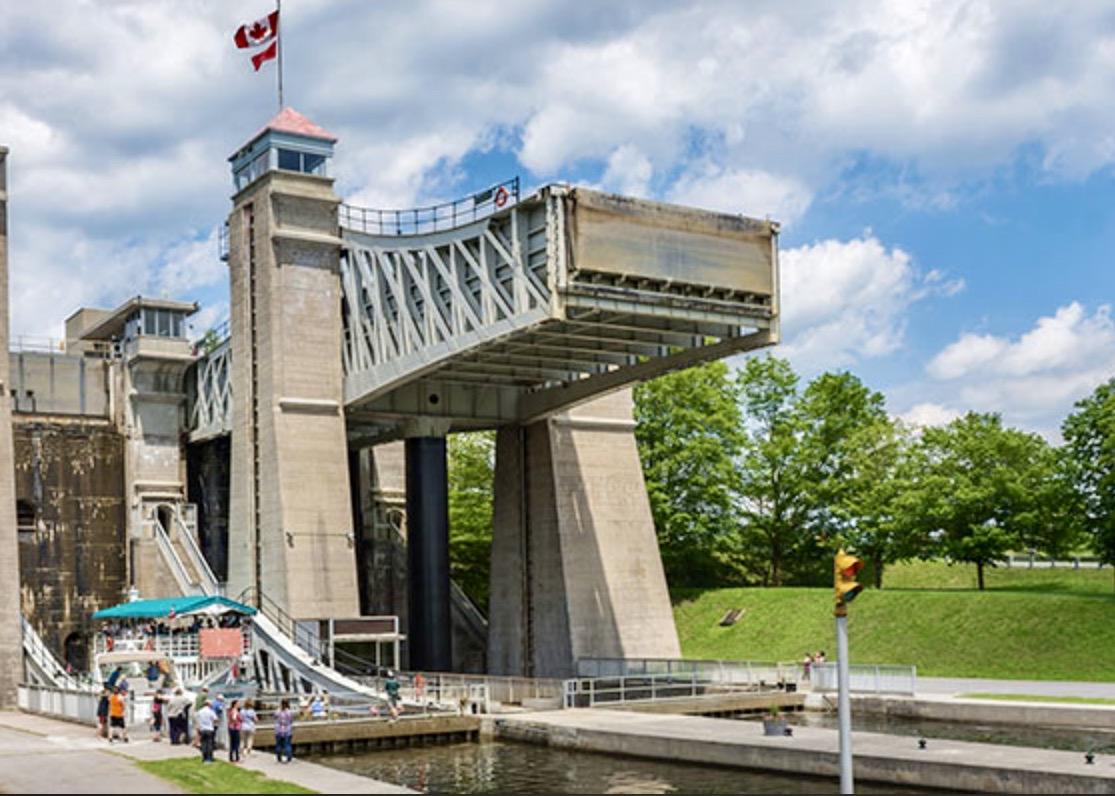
563	297
211	414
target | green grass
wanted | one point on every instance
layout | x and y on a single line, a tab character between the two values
217	777
938	575
1009	634
1040	698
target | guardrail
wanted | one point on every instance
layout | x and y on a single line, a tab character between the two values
752	673
59	702
432	218
867	678
587	692
503	689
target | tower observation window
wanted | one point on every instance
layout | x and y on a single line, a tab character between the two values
305	162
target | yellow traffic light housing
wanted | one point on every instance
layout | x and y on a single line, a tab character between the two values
845	569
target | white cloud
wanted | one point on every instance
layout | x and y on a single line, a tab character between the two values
1032	379
843	301
929	414
120	135
754	193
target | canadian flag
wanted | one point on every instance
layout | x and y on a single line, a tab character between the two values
263	33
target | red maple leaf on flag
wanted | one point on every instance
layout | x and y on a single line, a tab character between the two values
262	31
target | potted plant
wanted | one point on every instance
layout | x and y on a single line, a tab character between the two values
773	722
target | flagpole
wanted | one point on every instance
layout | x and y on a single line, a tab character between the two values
282	24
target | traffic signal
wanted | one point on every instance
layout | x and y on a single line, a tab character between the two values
845	568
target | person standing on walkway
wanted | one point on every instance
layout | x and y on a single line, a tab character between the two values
806	666
158	703
206	728
177	712
102	713
116	712
199	702
284	732
234	725
248	726
391	686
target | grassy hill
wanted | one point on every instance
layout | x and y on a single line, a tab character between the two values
1030	624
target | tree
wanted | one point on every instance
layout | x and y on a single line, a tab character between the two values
688	429
985	489
1090	456
875	503
774	474
471	464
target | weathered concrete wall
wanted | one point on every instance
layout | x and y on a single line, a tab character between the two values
11	652
60	384
70	485
209	467
575	565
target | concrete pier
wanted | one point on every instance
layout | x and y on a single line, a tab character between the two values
949	765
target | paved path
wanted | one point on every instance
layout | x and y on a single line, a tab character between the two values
1053	688
41	755
955	765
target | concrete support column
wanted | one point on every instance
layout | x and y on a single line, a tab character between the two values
430	630
11	648
575	565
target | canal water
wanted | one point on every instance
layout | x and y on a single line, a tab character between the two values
510	767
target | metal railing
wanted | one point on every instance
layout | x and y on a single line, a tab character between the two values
590	692
61	702
177	646
45	660
505	690
867	678
206	579
173	561
750	673
420	220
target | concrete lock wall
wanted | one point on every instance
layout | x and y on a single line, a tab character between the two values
70	487
60	384
575	564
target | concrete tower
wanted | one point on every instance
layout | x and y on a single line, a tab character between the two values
290	532
11	650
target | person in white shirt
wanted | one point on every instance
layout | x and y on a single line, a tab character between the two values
207	728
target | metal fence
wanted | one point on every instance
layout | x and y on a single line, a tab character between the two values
867	678
751	673
590	692
61	703
420	220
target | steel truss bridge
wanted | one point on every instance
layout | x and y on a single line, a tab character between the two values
502	310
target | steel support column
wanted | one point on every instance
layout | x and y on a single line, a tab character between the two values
429	632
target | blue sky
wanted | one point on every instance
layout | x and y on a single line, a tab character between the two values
942	170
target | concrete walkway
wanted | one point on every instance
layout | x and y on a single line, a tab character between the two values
42	755
1051	688
953	765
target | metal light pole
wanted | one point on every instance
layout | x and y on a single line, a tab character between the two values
845	568
843	699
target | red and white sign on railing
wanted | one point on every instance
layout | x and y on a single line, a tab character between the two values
221	642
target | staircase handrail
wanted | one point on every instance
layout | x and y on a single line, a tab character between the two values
207	580
171	557
284	621
34	646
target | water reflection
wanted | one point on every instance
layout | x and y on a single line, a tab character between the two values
508	767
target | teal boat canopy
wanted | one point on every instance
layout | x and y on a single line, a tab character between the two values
176	606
